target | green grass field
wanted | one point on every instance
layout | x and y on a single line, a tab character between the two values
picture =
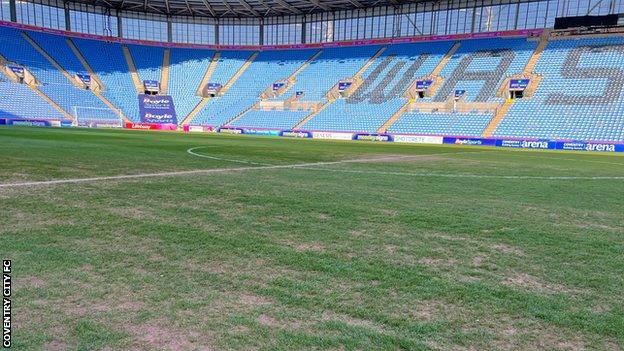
400	247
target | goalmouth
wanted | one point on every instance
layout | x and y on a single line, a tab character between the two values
97	117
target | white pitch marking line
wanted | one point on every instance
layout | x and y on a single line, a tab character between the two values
190	172
191	151
303	166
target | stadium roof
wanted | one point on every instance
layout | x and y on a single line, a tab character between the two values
239	8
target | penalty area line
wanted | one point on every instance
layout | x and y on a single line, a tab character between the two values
314	166
189	172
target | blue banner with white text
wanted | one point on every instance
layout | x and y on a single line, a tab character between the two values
157	109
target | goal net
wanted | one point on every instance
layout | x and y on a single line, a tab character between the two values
97	117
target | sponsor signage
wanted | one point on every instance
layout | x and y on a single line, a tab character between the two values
518	84
422	85
151	84
469	141
342	86
372	137
527	144
278	85
539	144
332	135
197	129
214	86
228	130
157	109
265	132
18	70
590	146
417	139
85	78
295	134
100	124
28	122
151	126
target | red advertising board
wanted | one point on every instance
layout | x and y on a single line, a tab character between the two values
151	126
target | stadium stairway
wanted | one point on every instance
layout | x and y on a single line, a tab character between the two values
290	80
309	117
205	80
498	118
527	72
64	72
239	73
240	115
22	95
445	60
132	69
34	88
164	74
332	95
97	79
434	74
543	42
209	72
51	60
394	117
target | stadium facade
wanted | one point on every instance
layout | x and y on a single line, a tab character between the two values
483	72
274	22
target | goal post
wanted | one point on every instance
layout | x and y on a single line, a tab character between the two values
97	117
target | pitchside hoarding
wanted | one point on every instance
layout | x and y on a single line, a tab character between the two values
151	126
157	109
332	135
417	139
372	137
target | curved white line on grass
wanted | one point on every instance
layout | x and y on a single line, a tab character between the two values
308	166
191	151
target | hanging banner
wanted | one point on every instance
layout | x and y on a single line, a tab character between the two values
157	109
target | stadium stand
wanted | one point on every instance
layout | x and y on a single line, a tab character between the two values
19	95
148	61
15	47
186	69
478	67
575	92
580	95
270	119
267	68
107	60
381	91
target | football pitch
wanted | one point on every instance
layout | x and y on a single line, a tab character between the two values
125	240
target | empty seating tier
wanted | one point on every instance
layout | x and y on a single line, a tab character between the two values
576	95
